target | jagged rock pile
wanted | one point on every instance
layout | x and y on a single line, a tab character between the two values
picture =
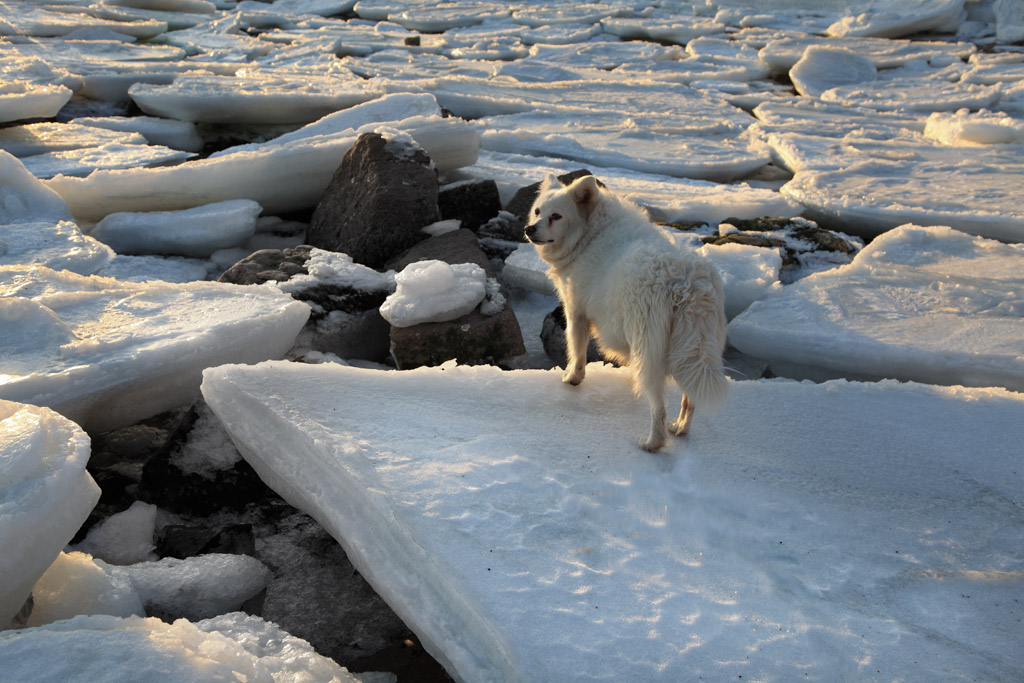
382	196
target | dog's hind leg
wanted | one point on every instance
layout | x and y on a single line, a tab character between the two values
649	374
681	425
651	385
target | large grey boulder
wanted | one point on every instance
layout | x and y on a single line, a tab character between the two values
382	194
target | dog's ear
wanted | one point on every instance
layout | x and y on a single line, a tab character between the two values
550	181
585	193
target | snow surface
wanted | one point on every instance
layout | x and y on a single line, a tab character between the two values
433	292
842	531
804	543
924	304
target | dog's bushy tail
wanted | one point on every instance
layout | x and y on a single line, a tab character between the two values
698	336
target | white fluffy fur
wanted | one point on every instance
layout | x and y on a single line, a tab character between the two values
650	306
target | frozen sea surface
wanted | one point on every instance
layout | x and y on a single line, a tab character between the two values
853	531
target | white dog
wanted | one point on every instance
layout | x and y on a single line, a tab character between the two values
650	306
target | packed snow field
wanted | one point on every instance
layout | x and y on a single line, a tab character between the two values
864	527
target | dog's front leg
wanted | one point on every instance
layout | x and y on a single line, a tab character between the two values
577	335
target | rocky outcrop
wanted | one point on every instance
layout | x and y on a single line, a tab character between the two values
473	202
382	194
345	321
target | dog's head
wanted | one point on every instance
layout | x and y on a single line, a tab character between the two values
560	212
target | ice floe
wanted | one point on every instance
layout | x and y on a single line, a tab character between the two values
896	18
108	353
280	177
255	98
45	491
59	245
22	100
555	552
924	304
196	232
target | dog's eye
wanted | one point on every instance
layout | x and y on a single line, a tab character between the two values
536	212
556	216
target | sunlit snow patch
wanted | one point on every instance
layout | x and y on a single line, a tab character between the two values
108	353
925	304
792	533
434	291
226	648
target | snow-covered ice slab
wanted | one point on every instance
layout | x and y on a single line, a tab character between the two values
107	353
896	18
280	177
230	647
253	99
21	18
196	232
618	141
792	535
884	185
45	495
782	53
26	100
923	304
914	94
83	161
41	138
665	107
668	199
59	245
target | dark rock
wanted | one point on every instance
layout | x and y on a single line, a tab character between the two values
317	595
165	485
268	265
344	321
457	246
376	203
504	227
523	199
181	541
118	458
552	335
805	247
474	202
472	339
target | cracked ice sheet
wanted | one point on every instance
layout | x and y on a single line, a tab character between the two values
812	543
107	353
973	189
921	304
668	199
619	141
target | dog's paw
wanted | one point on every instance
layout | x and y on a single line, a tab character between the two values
679	427
651	445
573	377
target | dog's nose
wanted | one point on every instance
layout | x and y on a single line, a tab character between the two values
531	230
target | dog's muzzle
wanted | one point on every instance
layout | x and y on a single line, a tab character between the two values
531	234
